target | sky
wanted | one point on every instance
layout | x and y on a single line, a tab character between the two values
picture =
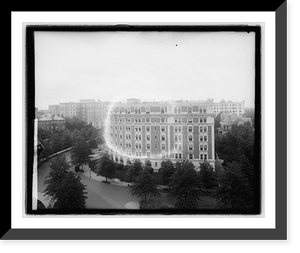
113	66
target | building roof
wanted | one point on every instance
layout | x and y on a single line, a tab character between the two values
48	117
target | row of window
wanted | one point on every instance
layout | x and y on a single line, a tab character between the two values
177	146
162	128
159	120
53	127
177	137
163	155
159	109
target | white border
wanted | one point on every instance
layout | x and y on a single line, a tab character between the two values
17	75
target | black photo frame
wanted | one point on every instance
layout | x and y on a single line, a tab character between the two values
278	233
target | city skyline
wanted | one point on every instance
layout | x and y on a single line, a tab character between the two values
112	66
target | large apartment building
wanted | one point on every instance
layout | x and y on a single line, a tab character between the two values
90	110
95	111
159	130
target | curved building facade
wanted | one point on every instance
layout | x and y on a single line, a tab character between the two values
161	130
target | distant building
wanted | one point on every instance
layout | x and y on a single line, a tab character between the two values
54	109
161	130
88	110
51	122
227	120
229	107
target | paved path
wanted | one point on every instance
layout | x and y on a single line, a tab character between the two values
100	195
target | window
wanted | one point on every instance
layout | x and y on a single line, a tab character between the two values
201	138
205	156
179	147
148	137
176	137
154	128
148	154
147	120
190	120
204	120
148	128
179	128
205	129
190	156
148	146
201	147
190	129
155	137
201	129
205	147
163	146
162	128
163	137
205	138
176	156
155	164
179	156
190	137
190	110
190	146
201	156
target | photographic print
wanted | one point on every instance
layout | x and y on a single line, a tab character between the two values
146	119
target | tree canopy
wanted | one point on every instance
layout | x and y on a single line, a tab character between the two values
207	176
235	191
184	185
134	170
80	152
166	171
144	188
64	189
105	166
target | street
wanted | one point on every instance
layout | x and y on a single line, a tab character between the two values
99	195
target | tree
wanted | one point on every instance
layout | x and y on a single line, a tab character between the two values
80	152
106	166
74	123
166	171
46	152
93	143
134	170
66	139
144	188
58	170
235	191
184	185
56	143
44	134
148	166
236	143
71	194
207	176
